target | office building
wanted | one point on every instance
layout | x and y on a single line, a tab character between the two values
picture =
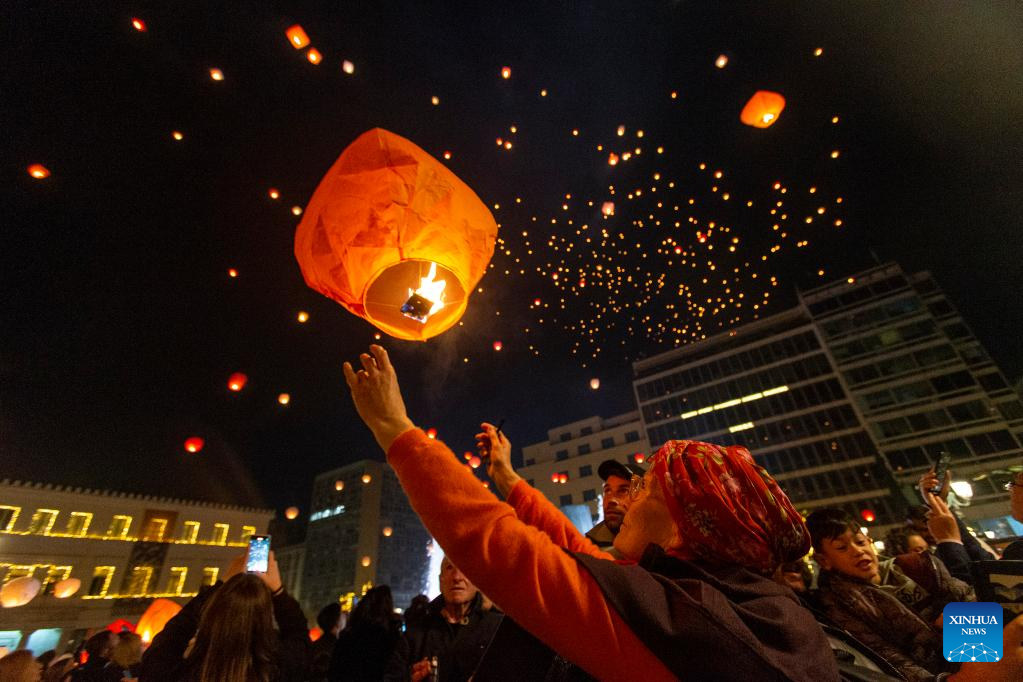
848	397
126	550
362	532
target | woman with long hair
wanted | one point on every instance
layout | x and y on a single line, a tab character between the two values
228	634
365	645
125	658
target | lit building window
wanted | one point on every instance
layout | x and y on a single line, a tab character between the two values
101	577
247	532
119	526
176	581
220	531
42	521
78	524
140	577
154	530
190	532
8	517
54	575
209	575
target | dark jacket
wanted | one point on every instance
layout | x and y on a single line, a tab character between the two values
457	646
321	651
958	558
601	536
363	652
164	660
115	673
92	671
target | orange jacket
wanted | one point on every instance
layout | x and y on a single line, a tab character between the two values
520	567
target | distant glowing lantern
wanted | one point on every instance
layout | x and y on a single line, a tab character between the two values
138	24
868	515
194	444
435	100
594	383
66	587
486	484
762	109
19	592
296	210
562	478
339	485
291	513
431	433
348	67
639	457
315	634
475	462
303	316
366	478
537	301
274	193
237	381
366	561
178	135
231	272
447	155
612	159
722	61
155	618
506	72
608	208
466	456
555	477
388	531
395	237
314	56
284	398
818	52
297	37
498	345
39	171
216	74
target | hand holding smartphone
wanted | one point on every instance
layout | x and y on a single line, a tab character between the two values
941	470
258	558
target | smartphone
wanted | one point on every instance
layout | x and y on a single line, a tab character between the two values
259	554
940	470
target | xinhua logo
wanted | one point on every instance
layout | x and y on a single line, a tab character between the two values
972	631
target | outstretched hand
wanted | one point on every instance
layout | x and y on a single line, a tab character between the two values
377	396
495	448
929	481
940	520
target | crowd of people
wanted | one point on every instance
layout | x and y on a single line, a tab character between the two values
699	570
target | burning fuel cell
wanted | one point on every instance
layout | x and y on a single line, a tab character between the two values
427	299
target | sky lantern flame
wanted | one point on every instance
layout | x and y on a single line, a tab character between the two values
297	37
762	109
237	381
427	299
138	24
38	171
194	444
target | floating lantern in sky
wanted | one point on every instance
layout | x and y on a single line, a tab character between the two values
395	237
447	155
621	130
194	444
466	456
498	345
348	67
366	561
594	383
296	210
178	135
506	72
19	592
138	24
291	513
297	37
39	171
314	56
868	515
431	433
339	485
315	634
303	316
216	74
274	193
608	208
555	477
366	478
237	381
156	618
536	301
612	159
722	61
232	273
475	462
66	587
435	100
639	458
387	531
284	398
762	109
818	52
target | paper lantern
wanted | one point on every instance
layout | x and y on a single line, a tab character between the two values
155	618
639	457
594	384
216	74
868	515
431	433
339	485
314	56
303	316
138	24
19	592
274	193
232	273
297	37
284	398
395	237
348	67
388	531
608	208
237	381
366	561
315	634
506	72
366	478
66	587
194	444
722	61
562	478
475	462
762	109
178	135
498	345
39	171
555	477
291	513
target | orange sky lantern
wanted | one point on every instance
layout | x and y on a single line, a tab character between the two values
155	618
639	457
291	513
762	109
339	485
475	462
498	345
194	444
39	171
506	72
284	398
237	381
608	208
348	67
297	37
274	193
232	272
315	634
555	477
722	61
314	56
216	74
138	24
395	237
66	588
431	433
594	384
19	592
868	515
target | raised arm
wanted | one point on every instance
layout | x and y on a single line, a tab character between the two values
534	581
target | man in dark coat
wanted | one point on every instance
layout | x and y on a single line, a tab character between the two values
455	633
98	648
329	621
616	477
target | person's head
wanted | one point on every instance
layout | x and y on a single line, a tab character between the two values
127	650
100	645
236	640
903	541
376	607
19	666
456	589
329	618
840	546
707	502
1016	496
615	500
44	658
916	520
417	610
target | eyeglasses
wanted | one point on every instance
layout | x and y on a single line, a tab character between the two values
636	485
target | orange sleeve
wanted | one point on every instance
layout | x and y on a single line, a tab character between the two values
544	589
536	510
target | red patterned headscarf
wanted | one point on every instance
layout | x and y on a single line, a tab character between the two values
727	508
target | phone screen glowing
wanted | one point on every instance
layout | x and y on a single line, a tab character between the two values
259	554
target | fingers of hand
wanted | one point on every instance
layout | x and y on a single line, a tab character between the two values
369	364
350	378
381	357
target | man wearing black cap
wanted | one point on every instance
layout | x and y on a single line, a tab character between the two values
616	477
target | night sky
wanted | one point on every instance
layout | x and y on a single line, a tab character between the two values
119	323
